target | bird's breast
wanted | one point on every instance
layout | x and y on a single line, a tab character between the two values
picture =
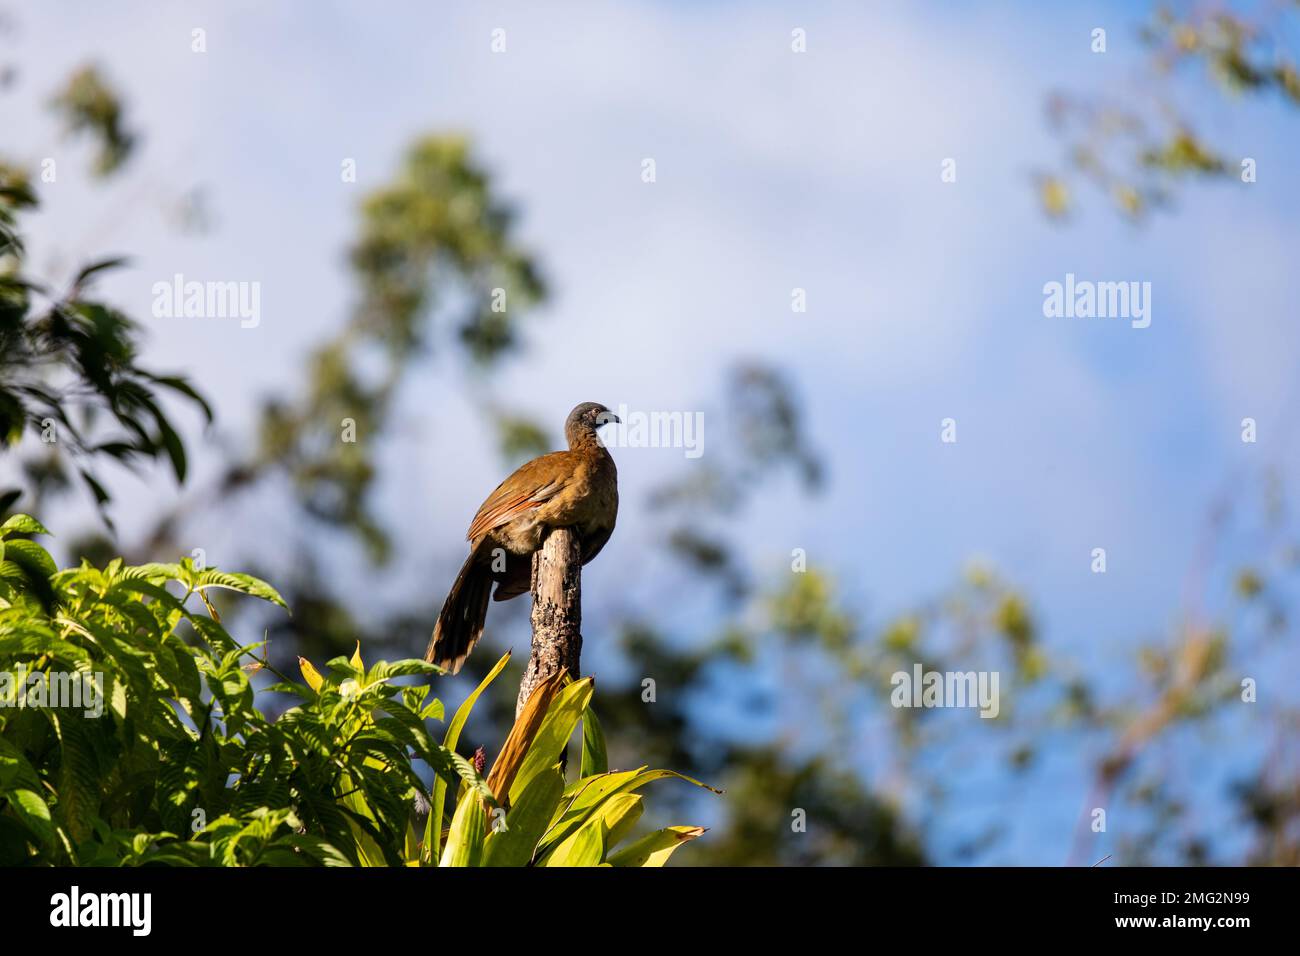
591	501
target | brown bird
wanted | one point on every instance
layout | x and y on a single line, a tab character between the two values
575	489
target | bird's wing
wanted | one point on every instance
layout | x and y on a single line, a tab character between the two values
533	484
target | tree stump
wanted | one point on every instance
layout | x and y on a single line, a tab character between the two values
557	611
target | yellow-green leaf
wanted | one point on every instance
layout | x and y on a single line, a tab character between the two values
525	822
580	798
584	848
465	838
522	732
620	814
310	674
594	757
593	791
433	827
32	813
553	735
613	819
644	776
654	849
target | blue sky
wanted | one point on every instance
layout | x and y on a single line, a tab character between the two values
819	171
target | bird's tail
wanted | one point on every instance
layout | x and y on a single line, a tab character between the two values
460	623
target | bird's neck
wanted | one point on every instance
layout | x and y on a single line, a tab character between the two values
583	439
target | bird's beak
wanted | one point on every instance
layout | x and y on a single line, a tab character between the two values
607	418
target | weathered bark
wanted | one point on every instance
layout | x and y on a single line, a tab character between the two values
557	611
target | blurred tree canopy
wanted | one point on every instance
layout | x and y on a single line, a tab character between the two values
843	778
1136	145
69	375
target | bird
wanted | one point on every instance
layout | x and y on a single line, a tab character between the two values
577	489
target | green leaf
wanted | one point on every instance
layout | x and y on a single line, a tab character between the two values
15	770
31	557
243	583
654	849
172	444
585	848
594	758
323	852
621	814
554	733
644	776
178	384
39	641
526	822
32	813
80	776
99	266
613	820
433	827
580	799
411	846
21	524
155	591
465	838
590	792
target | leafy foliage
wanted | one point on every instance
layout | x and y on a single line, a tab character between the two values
129	735
1138	146
430	245
434	244
176	764
69	372
540	817
89	105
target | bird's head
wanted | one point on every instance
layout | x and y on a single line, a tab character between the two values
585	419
